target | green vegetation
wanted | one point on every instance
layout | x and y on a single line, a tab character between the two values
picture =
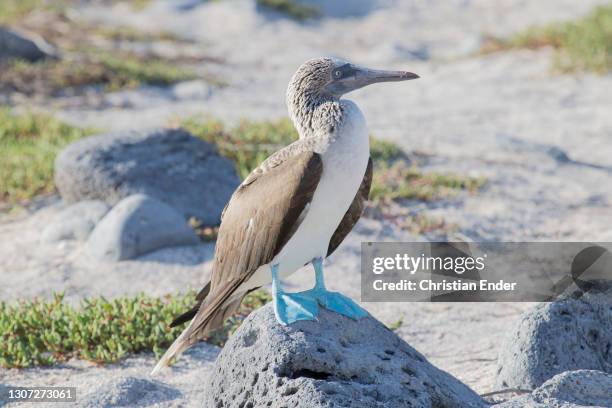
136	4
292	8
396	324
15	10
89	53
12	11
400	181
44	332
204	232
33	140
29	144
383	151
111	71
131	34
419	222
249	143
582	45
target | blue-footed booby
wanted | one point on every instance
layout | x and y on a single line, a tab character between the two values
296	207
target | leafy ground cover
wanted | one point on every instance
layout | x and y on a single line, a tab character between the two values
45	332
113	57
13	11
582	45
110	71
29	143
292	8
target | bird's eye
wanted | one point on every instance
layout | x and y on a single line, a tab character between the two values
337	73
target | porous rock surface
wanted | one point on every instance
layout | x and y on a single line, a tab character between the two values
127	392
332	362
17	45
137	225
571	333
168	164
75	221
571	389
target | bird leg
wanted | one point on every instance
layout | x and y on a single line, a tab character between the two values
334	301
319	280
291	307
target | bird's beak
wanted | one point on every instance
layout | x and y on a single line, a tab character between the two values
365	76
356	77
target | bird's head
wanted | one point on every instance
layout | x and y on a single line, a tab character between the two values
333	77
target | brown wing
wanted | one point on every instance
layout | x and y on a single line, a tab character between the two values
353	213
257	222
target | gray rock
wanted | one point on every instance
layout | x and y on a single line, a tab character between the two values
569	334
17	45
75	222
571	389
128	392
334	361
168	164
196	89
137	225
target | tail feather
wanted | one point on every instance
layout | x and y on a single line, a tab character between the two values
193	334
187	316
181	344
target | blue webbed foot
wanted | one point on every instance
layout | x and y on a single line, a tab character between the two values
341	304
334	301
291	307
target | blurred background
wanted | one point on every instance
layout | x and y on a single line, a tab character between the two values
507	136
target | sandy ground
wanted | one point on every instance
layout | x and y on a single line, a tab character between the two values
542	140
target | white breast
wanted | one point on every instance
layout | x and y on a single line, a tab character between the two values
345	159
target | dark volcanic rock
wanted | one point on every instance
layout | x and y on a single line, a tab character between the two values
332	362
128	392
14	45
170	165
569	334
571	389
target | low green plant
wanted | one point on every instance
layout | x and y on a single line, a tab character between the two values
131	34
418	222
248	143
383	151
582	45
292	8
45	332
132	71
206	233
396	324
29	143
12	11
111	71
137	4
401	181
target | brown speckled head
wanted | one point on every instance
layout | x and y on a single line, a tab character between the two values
320	82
